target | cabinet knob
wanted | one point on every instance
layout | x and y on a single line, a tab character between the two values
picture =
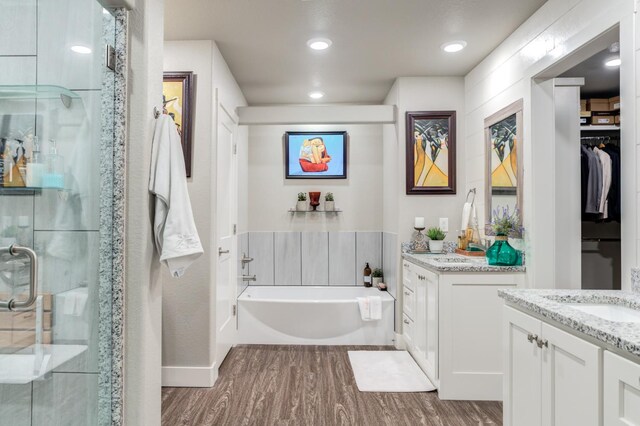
542	342
532	337
406	293
405	321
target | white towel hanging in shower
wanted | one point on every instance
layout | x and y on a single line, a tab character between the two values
176	236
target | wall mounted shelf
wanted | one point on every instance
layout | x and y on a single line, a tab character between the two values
292	211
599	128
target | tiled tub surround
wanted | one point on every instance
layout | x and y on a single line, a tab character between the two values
318	258
553	304
456	263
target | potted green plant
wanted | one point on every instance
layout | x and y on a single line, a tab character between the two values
329	203
504	223
377	276
301	205
436	239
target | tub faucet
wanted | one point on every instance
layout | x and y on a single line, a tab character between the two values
248	278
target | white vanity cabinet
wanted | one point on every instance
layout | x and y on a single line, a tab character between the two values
621	391
452	328
551	377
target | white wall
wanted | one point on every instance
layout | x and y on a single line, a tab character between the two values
422	94
187	321
271	195
554	32
181	330
143	290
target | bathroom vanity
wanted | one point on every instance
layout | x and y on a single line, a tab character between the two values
571	357
451	319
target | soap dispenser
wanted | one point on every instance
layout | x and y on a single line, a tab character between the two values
35	166
53	176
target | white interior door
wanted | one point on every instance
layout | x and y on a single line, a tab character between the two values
226	212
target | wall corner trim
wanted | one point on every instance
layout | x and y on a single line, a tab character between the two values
190	377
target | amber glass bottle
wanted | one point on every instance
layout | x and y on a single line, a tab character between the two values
367	276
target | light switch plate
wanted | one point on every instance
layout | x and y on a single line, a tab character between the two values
444	224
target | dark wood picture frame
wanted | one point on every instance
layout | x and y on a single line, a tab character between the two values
411	118
186	78
345	142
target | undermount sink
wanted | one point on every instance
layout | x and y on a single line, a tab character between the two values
33	362
615	313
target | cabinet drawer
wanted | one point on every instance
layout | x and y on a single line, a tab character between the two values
407	276
408	330
409	303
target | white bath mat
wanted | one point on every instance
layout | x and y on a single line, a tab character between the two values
388	371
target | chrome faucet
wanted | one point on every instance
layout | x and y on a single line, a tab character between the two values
248	278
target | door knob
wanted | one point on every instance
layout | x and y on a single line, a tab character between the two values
221	252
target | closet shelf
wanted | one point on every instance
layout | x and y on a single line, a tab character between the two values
599	128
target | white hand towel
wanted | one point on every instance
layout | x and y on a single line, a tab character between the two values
363	304
375	308
466	212
176	236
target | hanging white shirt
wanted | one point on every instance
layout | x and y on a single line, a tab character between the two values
175	232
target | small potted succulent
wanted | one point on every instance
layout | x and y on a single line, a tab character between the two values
329	203
377	277
301	205
436	239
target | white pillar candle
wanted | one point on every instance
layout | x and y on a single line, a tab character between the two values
419	222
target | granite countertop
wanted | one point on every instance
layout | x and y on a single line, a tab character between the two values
451	262
552	304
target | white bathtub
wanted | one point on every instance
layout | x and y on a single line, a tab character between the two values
298	315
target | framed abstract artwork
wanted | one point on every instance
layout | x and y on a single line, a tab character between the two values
431	152
315	155
177	100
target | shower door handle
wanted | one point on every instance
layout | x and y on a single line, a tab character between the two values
23	305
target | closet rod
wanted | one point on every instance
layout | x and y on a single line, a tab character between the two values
601	239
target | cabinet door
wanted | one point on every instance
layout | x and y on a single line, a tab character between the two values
421	314
431	331
571	379
408	333
621	391
522	374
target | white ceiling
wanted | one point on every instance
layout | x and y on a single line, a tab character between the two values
374	41
600	81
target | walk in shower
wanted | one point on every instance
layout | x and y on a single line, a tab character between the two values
60	221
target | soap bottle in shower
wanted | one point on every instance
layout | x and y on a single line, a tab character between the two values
367	276
35	166
53	176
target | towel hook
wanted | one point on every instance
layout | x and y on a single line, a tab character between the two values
471	191
156	112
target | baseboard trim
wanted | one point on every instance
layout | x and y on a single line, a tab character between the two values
400	345
190	377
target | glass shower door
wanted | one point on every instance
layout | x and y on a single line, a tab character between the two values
56	154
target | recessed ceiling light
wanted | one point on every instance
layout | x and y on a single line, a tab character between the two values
614	62
454	46
319	43
81	49
316	95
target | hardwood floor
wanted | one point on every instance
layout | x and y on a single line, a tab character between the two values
309	385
